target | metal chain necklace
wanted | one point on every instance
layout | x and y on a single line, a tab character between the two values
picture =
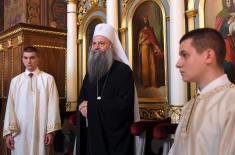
99	97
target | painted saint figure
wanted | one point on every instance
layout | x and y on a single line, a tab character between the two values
225	17
148	49
224	23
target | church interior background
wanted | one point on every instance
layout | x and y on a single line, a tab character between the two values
62	31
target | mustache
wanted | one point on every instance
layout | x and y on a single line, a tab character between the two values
99	63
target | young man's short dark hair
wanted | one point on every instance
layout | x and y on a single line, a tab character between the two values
30	49
205	38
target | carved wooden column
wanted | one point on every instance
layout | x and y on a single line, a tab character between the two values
71	55
112	13
123	37
178	88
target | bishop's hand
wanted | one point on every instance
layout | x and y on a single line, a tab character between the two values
83	108
10	142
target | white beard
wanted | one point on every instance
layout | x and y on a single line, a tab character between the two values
99	63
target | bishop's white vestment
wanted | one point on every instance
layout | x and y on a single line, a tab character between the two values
207	126
32	111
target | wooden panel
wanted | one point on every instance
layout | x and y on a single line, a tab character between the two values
1	15
7	71
17	64
1	73
53	61
51	44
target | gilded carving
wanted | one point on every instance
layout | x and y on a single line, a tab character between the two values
1	48
31	30
159	112
9	43
69	106
124	3
152	114
86	5
81	12
175	114
93	2
71	1
123	29
191	13
52	47
19	39
79	41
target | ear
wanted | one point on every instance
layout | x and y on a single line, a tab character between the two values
210	56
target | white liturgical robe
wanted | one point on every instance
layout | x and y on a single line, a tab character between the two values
207	126
32	111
